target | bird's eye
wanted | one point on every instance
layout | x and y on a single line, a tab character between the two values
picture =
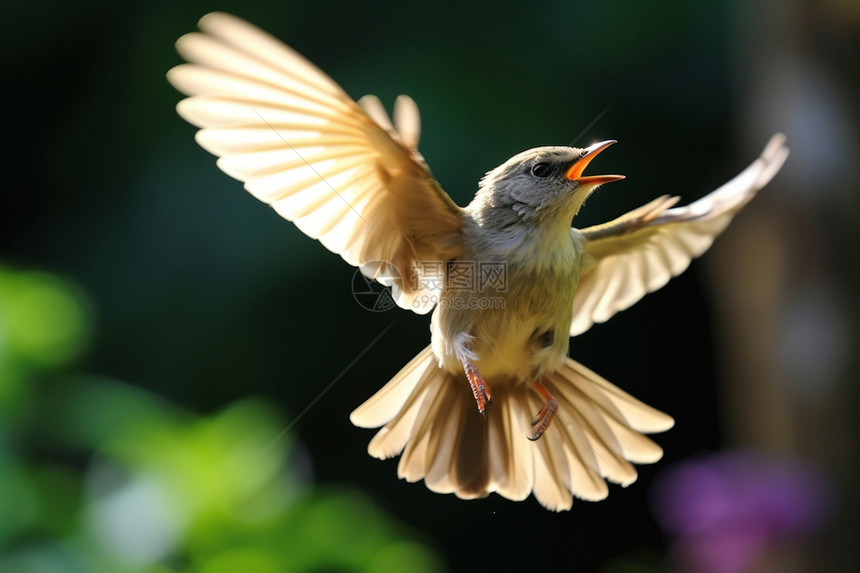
541	170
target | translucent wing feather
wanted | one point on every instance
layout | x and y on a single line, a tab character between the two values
640	251
342	174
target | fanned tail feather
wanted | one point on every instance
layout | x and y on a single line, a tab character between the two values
430	418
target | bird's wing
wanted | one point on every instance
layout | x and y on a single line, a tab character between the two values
342	173
640	251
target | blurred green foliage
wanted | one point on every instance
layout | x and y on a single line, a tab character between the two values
96	475
44	325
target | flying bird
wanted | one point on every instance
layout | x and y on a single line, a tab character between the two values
493	404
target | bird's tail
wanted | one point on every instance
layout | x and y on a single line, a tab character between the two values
429	415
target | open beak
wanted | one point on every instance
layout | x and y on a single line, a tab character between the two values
575	171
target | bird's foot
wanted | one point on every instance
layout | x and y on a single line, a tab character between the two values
479	387
546	414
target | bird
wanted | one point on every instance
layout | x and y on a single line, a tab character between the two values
494	403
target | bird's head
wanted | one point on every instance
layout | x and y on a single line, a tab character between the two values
542	185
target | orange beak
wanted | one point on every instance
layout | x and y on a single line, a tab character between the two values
575	171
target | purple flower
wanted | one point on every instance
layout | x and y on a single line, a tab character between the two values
724	510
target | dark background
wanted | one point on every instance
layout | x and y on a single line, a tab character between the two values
204	296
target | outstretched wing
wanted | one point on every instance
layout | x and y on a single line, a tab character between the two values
342	174
640	251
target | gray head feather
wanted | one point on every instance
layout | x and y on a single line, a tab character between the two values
529	187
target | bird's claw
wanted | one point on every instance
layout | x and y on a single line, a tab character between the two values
544	418
480	390
546	414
